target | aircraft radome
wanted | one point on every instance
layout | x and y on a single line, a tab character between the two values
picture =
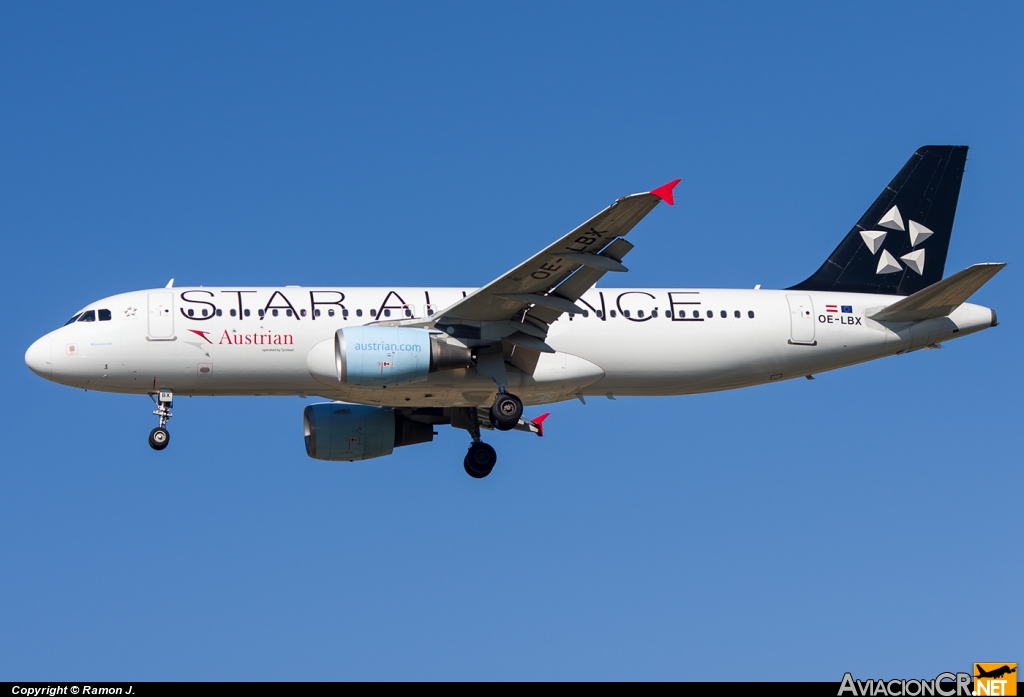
396	362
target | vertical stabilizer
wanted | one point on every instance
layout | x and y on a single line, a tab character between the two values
899	245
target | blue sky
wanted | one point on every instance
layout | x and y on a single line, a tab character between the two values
865	521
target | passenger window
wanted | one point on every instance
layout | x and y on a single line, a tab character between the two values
612	313
750	314
625	313
710	314
639	313
359	313
233	313
408	312
373	313
205	312
736	314
220	313
316	312
654	313
275	313
104	315
73	319
387	313
302	312
89	316
191	313
586	313
261	313
724	314
344	313
288	312
330	312
247	313
696	314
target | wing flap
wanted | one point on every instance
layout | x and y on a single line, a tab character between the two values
580	282
941	298
509	294
597	261
530	342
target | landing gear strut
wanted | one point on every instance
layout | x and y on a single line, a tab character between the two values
481	457
506	411
159	436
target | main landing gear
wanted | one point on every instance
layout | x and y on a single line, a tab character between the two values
481	457
506	411
505	414
480	460
159	436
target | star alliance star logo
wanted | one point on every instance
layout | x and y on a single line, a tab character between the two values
129	312
887	263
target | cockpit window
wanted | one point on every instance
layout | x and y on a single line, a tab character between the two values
89	316
104	315
73	319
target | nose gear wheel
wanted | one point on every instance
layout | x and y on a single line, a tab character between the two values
159	437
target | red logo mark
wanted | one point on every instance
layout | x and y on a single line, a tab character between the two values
201	333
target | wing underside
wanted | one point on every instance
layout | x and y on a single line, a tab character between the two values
517	308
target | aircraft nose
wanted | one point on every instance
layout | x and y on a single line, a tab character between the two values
39	357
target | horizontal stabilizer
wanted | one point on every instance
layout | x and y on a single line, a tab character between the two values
940	298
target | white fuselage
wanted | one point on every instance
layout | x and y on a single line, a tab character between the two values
634	341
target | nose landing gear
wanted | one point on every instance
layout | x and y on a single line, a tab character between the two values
159	436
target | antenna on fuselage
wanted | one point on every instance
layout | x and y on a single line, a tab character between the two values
170	284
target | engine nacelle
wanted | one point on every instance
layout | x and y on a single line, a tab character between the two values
383	356
349	432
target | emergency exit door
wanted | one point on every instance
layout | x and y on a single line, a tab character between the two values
801	320
161	315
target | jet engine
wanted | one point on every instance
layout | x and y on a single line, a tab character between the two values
349	432
384	356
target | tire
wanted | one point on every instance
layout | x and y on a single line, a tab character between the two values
506	412
159	438
480	460
472	472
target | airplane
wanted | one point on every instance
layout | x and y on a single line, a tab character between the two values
995	673
396	362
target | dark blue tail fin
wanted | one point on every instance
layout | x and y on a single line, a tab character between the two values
899	245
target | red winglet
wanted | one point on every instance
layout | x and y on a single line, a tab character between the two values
539	423
665	192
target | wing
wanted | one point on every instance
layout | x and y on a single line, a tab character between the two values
519	306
